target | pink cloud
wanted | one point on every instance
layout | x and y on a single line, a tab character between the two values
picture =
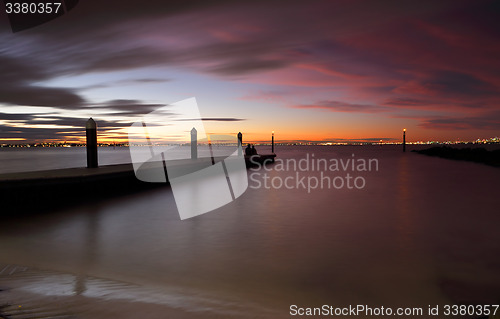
338	106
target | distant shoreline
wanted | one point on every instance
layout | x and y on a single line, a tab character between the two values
75	145
476	155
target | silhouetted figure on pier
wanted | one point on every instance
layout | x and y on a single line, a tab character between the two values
248	150
254	151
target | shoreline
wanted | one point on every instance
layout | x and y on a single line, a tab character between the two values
29	290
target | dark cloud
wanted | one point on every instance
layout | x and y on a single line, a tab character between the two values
16	117
119	59
19	70
406	102
31	127
79	123
37	134
459	83
58	120
237	37
18	77
91	14
264	35
28	95
125	107
338	106
453	85
485	122
240	67
72	44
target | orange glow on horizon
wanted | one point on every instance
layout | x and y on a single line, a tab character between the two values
298	133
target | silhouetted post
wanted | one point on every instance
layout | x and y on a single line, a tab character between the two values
211	150
91	129
240	144
272	143
404	140
194	143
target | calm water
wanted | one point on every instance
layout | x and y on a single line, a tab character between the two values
423	231
14	160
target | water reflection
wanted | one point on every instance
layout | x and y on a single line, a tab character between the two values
404	221
90	251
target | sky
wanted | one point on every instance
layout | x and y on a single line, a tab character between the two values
320	71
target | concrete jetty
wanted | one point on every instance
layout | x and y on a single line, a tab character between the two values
119	171
31	192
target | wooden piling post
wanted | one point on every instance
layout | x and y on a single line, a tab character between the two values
272	143
91	130
194	143
404	140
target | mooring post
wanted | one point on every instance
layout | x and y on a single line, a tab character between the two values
194	143
91	130
240	144
404	140
272	143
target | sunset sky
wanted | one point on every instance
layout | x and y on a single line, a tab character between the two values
309	70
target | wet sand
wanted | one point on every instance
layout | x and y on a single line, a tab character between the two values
37	293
